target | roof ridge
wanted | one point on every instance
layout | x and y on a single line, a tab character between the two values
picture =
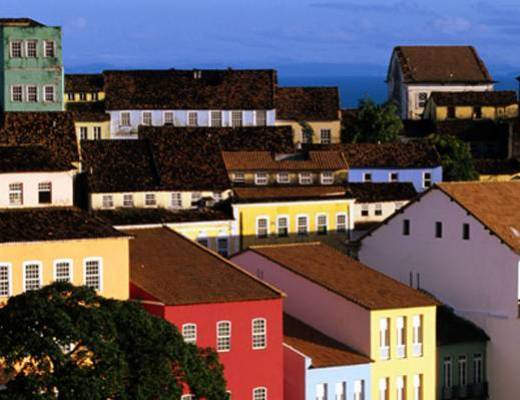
260	246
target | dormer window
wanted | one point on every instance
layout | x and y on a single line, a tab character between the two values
282	177
261	178
327	178
305	178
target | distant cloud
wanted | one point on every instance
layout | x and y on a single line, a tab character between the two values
452	25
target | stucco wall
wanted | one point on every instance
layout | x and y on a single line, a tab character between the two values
249	177
104	125
413	175
317	126
331	376
488	112
295	366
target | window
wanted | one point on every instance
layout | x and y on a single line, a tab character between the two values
168	118
359	390
62	271
406	227
400	324
477	368
463	371
438	230
16	49
262	227
193	118
367	177
92	273
261	178
282	226
128	200
150	200
189	333
305	178
97	133
32	93
239	177
44	193
16	194
365	210
394	177
427	180
5	280
176	200
447	372
465	232
325	136
384	338
224	336
236	119
260	394
83	132
477	112
400	385
282	177
195	198
216	118
321	391
341	223
378	210
203	240
259	333
94	96
16	94
417	387
71	96
147	118
341	391
82	96
451	112
302	225
422	97
49	49
31	48
321	224
417	336
125	119
384	389
327	178
108	201
222	246
261	118
49	94
32	275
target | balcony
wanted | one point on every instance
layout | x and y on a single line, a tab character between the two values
385	352
401	351
417	349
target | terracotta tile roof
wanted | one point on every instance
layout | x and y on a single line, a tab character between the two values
267	161
181	89
46	224
487	98
471	130
84	83
177	271
442	64
307	103
418	127
53	130
119	166
88	111
324	351
380	192
30	159
454	329
288	193
497	166
26	22
494	204
346	277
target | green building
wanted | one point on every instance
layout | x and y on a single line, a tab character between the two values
32	66
461	357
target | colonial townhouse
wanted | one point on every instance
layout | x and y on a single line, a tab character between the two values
213	303
189	98
460	242
319	367
292	214
312	112
39	246
471	105
377	316
263	168
415	72
31	67
84	88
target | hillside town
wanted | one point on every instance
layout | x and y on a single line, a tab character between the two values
257	220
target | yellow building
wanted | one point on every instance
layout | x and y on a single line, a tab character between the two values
292	214
316	108
40	246
471	105
84	88
498	170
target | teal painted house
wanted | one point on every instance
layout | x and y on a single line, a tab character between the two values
461	357
32	68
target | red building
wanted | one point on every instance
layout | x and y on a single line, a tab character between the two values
213	303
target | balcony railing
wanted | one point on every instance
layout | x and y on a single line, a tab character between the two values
417	349
401	351
385	353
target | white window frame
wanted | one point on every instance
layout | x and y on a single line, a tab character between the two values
283	174
318	216
11	43
262	217
342	214
262	335
21	93
99	260
9	267
359	389
176	200
340	391
384	339
430	179
327	178
326	130
417	335
321	391
390	179
400	385
478	361
165	113
219	336
45	99
447	373
27	87
46	44
188	119
365	208
192	340
96	132
298	216
367	175
378	210
83	129
125	197
256	117
463	372
107	201
122	117
55	263
417	387
45	187
305	178
400	325
263	394
261	182
384	386
145	115
19	193
40	273
239	177
26	45
231	119
288	224
221	118
154	205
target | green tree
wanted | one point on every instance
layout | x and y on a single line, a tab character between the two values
307	132
375	123
456	159
65	342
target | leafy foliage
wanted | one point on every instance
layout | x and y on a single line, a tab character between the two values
457	162
64	342
307	132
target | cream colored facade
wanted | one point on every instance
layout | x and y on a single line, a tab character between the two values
499	177
440	113
87	130
292	177
89	97
334	127
111	254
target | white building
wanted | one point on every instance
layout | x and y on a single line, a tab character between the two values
416	71
461	242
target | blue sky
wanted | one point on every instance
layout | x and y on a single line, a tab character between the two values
351	35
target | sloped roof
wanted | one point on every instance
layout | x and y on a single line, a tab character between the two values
183	89
30	159
84	83
22	22
454	329
323	350
259	194
346	277
178	271
307	103
83	111
370	192
497	166
487	98
442	64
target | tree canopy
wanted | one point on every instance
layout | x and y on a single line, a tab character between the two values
456	159
65	342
